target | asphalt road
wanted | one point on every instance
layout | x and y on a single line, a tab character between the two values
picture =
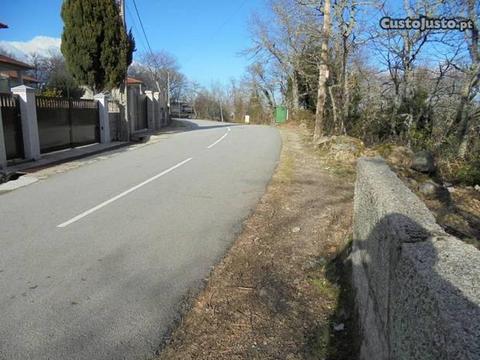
94	262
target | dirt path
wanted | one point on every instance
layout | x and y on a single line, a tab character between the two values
280	292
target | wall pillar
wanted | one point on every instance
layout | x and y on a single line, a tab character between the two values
132	108
164	110
150	110
103	118
3	150
158	110
28	110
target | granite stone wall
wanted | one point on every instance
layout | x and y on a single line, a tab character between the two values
417	288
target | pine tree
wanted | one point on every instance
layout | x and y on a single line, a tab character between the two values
96	47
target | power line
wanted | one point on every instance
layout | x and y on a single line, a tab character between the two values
143	29
227	20
154	58
220	27
134	23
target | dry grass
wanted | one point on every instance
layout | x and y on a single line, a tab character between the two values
456	209
281	288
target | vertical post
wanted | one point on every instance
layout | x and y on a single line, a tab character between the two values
163	107
133	108
70	122
221	111
103	118
28	110
157	110
122	11
168	98
127	117
150	110
3	149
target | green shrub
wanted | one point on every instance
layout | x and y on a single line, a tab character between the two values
469	173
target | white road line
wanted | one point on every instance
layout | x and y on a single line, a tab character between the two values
216	142
119	196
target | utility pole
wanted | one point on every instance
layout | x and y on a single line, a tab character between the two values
121	4
122	12
168	95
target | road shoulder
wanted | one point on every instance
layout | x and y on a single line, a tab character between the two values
280	292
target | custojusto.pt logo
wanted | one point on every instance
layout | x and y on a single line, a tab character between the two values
424	23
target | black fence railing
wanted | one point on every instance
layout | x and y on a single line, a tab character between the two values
12	126
142	113
114	118
65	123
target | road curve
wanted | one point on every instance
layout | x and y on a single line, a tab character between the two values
94	262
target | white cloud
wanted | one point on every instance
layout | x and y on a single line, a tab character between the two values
42	45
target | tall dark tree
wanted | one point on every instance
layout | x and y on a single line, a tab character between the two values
96	47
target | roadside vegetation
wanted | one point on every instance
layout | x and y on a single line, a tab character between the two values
282	291
330	62
353	89
339	72
100	59
401	94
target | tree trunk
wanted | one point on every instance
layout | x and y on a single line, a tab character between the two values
463	147
194	110
295	102
461	122
345	104
336	125
322	75
344	85
462	119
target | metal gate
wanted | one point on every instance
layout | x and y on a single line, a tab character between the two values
66	123
114	120
142	113
12	126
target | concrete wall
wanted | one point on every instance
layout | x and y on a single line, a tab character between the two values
417	288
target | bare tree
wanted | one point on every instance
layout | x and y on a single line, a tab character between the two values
463	118
192	89
281	42
263	83
323	73
161	71
416	87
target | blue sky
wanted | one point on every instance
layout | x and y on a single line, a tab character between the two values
205	36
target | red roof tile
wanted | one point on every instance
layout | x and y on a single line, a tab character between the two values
10	61
133	81
13	75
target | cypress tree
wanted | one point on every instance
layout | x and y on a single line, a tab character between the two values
95	45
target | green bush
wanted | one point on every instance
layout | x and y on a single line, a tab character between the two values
469	173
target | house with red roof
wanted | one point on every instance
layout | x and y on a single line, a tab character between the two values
132	82
13	73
